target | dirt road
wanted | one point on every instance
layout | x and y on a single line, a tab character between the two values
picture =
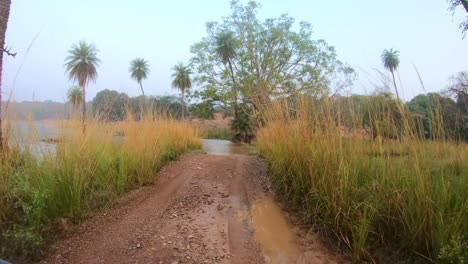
203	209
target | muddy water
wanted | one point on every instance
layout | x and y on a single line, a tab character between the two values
278	241
223	147
276	236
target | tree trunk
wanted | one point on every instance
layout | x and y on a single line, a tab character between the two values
84	107
141	87
465	4
4	15
183	104
143	103
234	87
394	83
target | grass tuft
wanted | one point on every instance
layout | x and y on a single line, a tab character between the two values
371	192
84	172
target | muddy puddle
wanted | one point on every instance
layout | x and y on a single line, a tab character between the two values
223	147
277	239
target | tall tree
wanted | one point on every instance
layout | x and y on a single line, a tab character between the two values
182	81
110	105
269	59
139	70
391	61
75	97
81	66
454	4
4	15
226	51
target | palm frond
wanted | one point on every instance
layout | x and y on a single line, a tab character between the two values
225	46
139	69
181	77
390	59
75	96
82	62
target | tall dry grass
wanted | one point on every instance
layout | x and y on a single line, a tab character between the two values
42	187
381	197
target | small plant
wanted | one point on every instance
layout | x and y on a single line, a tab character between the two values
242	127
455	252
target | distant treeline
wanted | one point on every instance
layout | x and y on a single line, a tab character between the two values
431	116
35	110
107	105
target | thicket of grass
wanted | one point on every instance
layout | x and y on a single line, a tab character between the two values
408	198
40	189
216	133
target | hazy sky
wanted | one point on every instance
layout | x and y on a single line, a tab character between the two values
162	32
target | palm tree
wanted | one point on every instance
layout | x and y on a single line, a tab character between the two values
75	97
391	61
81	66
182	81
139	70
4	15
226	51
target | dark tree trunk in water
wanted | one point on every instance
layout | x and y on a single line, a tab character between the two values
4	15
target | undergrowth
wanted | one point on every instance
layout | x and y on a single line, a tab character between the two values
41	188
372	192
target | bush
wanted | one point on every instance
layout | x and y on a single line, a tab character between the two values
456	252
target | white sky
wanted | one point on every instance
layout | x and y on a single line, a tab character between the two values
423	31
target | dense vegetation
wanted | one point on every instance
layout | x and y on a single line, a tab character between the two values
382	199
244	61
42	188
387	178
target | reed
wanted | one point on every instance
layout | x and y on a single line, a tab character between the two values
85	171
372	192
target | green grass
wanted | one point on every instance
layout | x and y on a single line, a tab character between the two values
376	197
87	172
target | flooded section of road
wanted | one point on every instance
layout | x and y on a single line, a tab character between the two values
223	147
276	236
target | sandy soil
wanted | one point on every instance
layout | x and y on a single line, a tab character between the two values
199	211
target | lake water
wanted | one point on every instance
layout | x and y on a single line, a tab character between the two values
36	135
223	147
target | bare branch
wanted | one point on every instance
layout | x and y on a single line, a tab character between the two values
9	53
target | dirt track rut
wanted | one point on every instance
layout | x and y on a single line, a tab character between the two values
195	213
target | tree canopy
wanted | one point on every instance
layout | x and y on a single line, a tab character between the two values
75	96
82	62
139	70
391	61
182	81
454	4
269	59
110	105
81	66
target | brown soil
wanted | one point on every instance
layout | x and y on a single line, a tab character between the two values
199	211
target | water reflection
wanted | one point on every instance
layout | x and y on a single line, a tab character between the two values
276	236
223	147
